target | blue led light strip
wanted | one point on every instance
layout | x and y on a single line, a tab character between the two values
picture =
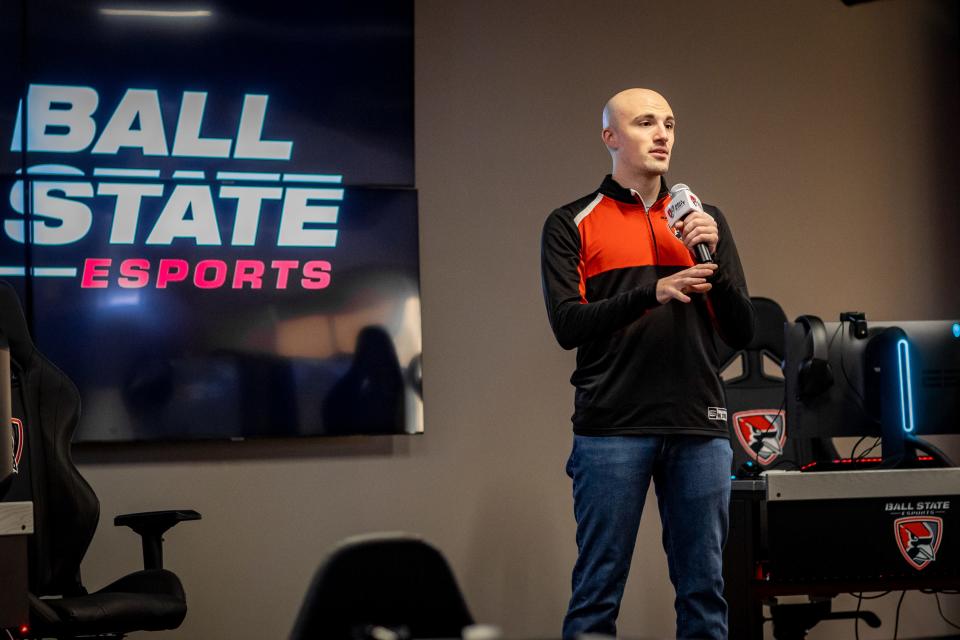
906	391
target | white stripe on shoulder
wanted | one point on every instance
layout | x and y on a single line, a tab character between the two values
586	211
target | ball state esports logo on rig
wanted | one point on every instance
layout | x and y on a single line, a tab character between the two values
918	529
60	120
919	539
762	433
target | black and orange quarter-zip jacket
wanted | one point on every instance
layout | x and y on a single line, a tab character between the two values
642	368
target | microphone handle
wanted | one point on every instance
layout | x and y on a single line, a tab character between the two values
702	252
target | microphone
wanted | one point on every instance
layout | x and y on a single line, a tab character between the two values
683	202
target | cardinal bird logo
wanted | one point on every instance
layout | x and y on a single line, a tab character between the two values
17	435
762	433
918	538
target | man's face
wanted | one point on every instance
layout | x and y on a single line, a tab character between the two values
639	128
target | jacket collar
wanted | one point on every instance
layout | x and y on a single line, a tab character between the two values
613	189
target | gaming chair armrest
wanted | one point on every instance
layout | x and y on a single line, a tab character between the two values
150	526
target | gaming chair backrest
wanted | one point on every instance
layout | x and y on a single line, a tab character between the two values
65	508
392	580
758	422
767	338
755	399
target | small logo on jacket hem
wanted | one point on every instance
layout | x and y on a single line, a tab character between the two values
717	413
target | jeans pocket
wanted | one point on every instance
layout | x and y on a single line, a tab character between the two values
570	461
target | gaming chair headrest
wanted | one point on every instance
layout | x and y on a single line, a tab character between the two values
814	375
13	324
767	335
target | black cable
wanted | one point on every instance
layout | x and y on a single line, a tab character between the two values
853	451
896	624
856	618
861	403
783	402
945	619
781	461
863	454
876	443
860	598
834	337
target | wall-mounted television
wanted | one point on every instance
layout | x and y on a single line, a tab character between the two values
209	212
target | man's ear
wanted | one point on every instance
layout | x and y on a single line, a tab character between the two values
609	137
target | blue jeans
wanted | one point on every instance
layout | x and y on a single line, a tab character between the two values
611	475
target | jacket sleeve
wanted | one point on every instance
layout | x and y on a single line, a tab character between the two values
730	304
574	320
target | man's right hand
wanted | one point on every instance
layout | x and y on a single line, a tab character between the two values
678	285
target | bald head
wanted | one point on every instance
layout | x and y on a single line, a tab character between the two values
630	102
638	128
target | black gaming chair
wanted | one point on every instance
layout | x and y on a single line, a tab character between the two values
759	427
46	406
395	581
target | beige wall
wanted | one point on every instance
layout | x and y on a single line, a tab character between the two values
825	133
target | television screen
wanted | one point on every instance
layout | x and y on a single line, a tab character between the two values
210	215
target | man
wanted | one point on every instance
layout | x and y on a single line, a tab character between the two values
624	290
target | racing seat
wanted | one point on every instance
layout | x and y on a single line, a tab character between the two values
46	408
392	581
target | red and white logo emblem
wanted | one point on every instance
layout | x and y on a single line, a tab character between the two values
762	433
17	435
919	538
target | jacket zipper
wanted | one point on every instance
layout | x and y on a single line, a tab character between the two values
653	237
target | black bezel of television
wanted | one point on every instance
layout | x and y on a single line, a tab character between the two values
895	380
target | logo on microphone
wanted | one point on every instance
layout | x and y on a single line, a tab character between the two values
682	202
